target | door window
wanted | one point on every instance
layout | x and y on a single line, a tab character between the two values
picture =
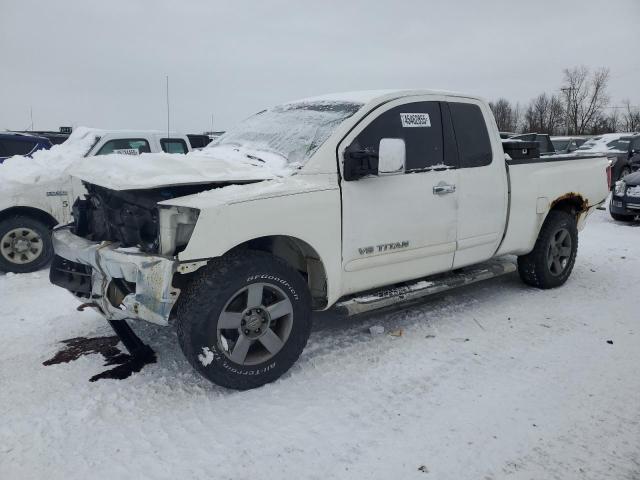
173	145
127	146
474	146
419	124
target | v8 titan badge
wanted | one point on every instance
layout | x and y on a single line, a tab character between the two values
415	120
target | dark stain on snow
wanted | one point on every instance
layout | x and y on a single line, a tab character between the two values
125	364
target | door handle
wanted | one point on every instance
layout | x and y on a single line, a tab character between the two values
443	188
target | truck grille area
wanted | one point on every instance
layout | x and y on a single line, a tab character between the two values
73	276
128	217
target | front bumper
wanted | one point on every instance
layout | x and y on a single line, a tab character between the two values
625	205
124	284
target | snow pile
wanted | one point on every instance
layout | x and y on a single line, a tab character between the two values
150	170
274	162
633	191
47	165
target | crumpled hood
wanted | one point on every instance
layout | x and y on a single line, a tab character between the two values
152	170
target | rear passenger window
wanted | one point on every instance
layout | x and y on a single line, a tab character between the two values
419	124
474	146
126	146
173	145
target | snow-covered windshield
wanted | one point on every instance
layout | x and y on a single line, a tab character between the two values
619	144
560	144
607	142
294	130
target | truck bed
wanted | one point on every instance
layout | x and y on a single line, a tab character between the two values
537	184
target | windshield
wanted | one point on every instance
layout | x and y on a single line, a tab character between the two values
621	144
603	143
295	130
560	144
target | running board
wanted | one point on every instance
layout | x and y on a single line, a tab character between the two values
423	288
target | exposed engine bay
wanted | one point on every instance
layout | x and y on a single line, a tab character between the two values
133	218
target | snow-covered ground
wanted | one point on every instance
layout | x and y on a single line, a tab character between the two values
497	380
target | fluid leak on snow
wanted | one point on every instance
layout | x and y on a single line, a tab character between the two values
125	364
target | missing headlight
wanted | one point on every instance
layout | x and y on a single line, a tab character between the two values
176	227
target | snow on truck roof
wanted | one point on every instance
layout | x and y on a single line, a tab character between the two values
368	96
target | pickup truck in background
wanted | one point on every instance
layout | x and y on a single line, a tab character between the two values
378	198
29	209
546	145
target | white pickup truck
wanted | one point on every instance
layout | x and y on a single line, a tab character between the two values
354	201
30	207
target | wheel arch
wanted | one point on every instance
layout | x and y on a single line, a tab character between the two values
298	254
30	212
572	203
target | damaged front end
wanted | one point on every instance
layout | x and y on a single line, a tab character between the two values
121	284
119	255
133	218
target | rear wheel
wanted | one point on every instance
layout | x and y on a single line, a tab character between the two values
25	244
244	320
550	262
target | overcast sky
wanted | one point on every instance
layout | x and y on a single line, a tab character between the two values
103	64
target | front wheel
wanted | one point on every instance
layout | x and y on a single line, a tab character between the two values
550	262
25	244
244	320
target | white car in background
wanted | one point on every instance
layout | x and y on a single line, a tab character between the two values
37	193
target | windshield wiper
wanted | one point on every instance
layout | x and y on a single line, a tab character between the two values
253	157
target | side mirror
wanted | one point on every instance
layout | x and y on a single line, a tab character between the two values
392	154
359	163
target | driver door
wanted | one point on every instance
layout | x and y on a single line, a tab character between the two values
402	226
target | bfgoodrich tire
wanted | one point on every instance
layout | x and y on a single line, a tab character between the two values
25	244
244	320
551	261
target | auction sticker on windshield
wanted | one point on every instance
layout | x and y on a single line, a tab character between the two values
415	119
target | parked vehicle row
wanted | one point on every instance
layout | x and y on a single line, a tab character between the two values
353	201
620	148
29	211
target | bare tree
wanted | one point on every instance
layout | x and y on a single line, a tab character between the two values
544	114
585	95
507	116
630	117
605	123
